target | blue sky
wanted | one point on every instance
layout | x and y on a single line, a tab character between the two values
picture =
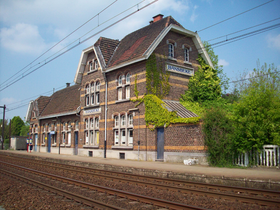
28	28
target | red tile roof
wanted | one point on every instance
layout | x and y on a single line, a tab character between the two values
63	101
135	44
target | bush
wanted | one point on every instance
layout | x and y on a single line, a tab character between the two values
217	129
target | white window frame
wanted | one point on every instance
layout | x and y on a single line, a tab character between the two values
86	138
69	138
120	80
97	85
96	123
116	137
127	92
97	98
130	119
123	123
123	137
120	93
171	48
130	139
95	64
77	125
91	137
91	123
90	66
128	78
87	123
116	120
187	54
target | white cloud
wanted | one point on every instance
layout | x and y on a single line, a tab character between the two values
22	38
194	16
223	62
273	41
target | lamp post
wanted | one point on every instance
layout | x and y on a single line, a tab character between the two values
3	126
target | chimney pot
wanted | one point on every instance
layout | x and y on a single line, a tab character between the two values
157	17
67	84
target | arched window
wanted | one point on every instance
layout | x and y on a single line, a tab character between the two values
123	120
92	86
87	89
186	54
130	119
127	78
97	86
96	122
120	80
116	119
86	121
171	50
91	123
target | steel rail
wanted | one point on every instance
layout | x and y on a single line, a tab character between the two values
127	177
119	193
64	193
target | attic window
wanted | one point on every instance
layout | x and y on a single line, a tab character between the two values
171	50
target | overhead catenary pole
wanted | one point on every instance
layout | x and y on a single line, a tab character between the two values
3	126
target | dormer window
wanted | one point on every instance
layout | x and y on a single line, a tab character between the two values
90	66
171	50
186	53
95	64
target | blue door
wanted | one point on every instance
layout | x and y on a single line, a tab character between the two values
36	142
160	143
76	143
49	142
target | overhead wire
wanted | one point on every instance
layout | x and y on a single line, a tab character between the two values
59	42
80	42
236	15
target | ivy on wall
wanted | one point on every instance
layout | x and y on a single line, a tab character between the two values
156	77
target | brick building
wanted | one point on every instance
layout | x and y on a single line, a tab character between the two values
96	116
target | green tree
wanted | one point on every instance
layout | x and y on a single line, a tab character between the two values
257	115
24	129
17	123
219	68
6	129
204	85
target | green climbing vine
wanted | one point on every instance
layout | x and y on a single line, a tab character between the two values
157	85
156	78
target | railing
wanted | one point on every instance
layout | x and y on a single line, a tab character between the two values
269	156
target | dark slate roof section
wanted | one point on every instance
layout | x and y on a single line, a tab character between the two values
42	102
63	101
179	108
107	47
135	44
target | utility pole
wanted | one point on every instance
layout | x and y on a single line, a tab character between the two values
3	128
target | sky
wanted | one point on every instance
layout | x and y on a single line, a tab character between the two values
33	61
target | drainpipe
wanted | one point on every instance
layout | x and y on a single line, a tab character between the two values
106	109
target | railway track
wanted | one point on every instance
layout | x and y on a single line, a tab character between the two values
159	203
244	195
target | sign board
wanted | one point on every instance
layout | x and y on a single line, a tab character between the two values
179	70
92	111
52	132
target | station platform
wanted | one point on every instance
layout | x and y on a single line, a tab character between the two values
255	177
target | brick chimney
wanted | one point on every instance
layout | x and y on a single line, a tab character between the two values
67	84
157	18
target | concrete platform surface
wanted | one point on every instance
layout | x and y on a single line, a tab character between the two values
256	173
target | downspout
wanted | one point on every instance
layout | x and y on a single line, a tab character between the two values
106	109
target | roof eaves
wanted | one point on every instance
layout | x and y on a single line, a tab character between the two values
58	115
125	64
81	65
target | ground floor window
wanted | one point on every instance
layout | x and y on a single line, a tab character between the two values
69	138
116	137
130	136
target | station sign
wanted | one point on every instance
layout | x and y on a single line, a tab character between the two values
179	70
92	111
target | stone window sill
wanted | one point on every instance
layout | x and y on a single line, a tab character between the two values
91	146
94	70
187	62
123	100
123	147
171	58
